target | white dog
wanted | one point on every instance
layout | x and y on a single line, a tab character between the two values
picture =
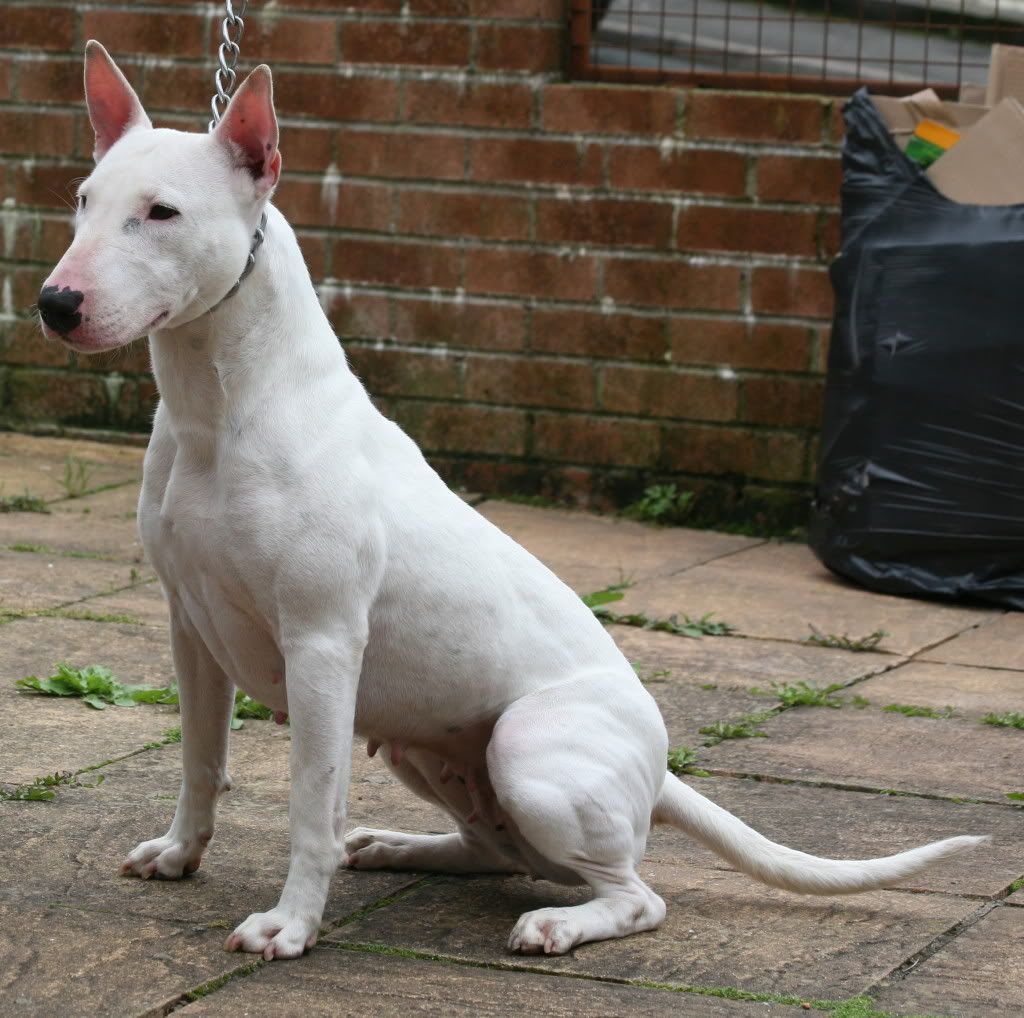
311	556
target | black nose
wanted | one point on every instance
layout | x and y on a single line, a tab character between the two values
59	308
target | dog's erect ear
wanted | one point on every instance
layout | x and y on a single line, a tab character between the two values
114	108
249	129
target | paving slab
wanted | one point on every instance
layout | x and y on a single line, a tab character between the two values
978	973
973	692
120	503
100	536
857	825
735	663
338	984
686	708
56	962
590	552
44	734
777	590
997	644
872	749
31	581
714	934
37	465
144	601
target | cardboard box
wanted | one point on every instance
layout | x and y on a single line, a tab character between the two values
903	115
986	167
1005	74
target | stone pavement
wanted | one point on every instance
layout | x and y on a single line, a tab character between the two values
855	780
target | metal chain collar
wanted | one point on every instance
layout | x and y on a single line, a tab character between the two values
224	80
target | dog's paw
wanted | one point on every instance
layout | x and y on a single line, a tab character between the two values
167	857
545	931
273	934
367	849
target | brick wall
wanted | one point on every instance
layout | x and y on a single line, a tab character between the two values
556	288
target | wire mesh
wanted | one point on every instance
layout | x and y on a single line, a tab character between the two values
794	45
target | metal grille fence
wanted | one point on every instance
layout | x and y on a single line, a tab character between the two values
832	47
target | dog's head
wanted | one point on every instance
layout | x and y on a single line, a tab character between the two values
165	220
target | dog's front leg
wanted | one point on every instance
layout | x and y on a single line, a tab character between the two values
322	676
206	696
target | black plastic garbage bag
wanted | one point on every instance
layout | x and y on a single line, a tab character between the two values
920	486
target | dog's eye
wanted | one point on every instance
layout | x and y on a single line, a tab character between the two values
81	203
162	212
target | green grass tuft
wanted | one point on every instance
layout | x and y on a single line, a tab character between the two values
662	503
845	642
805	694
684	760
745	727
913	710
1010	719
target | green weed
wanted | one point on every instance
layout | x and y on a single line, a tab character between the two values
662	503
745	727
1015	796
655	675
803	694
76	477
172	735
1011	719
1015	886
22	504
860	702
913	710
247	707
845	642
42	789
684	760
96	686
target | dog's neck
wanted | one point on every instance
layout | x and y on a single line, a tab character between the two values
237	359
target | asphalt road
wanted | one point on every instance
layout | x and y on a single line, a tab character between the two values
728	36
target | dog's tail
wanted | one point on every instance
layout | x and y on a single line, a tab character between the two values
764	860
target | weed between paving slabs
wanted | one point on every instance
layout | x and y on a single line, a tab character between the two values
855	726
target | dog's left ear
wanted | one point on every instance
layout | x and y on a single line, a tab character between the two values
249	130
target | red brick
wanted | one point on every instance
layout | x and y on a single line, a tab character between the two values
663	392
399	154
521	381
314	253
598	334
293	39
333	97
362	315
783	402
830	231
764	455
58	81
179	88
439	427
349	205
412	42
444	213
541	10
479	326
807	179
390	372
36	27
23	342
608	109
530	273
607	222
693	171
770	117
53	239
572	438
35	133
479	104
60	396
766	346
6	78
836	123
673	283
791	291
306	148
134	359
177	35
518	48
394	264
46	185
716	228
534	160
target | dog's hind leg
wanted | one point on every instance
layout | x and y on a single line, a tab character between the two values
459	852
577	769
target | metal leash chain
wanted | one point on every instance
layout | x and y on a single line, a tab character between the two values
224	80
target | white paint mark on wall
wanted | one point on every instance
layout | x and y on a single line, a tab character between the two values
330	189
